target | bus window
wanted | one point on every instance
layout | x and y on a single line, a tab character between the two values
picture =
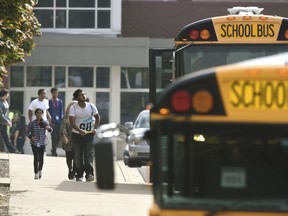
199	57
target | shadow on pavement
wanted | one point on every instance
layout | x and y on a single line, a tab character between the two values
74	186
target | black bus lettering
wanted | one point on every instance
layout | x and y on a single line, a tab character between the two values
247	30
268	93
259	30
224	33
246	89
280	90
271	30
253	94
234	87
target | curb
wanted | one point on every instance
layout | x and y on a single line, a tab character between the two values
4	181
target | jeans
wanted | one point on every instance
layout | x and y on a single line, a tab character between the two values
83	154
70	160
38	153
6	139
55	136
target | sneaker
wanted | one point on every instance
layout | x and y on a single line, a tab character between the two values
90	178
78	179
40	174
36	175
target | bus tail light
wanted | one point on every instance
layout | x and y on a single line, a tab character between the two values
181	101
194	34
205	34
202	101
286	34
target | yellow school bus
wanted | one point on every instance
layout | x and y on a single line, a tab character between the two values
220	142
244	33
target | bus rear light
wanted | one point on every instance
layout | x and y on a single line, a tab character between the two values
205	34
286	34
202	101
194	34
181	101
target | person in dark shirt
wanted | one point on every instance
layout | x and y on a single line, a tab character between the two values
56	111
19	135
4	120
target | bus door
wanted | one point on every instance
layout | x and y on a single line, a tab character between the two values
160	71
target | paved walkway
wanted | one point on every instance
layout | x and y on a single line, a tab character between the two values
55	195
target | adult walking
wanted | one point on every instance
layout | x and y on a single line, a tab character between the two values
56	112
84	119
42	103
36	132
66	131
4	120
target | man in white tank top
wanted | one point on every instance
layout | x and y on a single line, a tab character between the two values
84	119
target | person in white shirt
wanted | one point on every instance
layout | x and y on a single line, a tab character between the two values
84	119
42	103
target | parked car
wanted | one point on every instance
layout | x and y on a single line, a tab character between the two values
137	150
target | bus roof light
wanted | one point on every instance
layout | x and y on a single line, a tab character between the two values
194	34
263	18
247	17
202	101
181	101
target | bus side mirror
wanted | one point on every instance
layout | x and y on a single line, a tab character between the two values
104	164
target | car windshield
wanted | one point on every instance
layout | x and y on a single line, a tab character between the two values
142	120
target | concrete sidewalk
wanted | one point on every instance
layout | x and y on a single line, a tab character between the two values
55	195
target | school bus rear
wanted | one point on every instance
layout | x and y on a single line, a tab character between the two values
220	143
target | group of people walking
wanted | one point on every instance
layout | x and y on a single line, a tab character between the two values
74	129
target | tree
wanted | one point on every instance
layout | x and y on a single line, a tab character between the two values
18	25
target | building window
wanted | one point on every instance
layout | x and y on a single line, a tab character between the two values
134	92
80	77
134	78
76	14
59	78
102	104
39	76
16	101
17	76
81	19
102	77
131	104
